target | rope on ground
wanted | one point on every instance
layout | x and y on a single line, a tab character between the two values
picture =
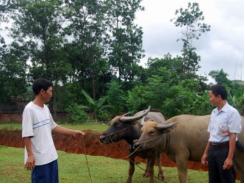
87	163
137	164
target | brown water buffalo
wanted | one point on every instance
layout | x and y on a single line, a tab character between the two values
128	128
186	141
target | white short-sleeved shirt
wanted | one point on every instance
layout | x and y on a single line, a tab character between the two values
223	122
37	123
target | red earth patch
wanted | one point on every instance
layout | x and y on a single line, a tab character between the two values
88	144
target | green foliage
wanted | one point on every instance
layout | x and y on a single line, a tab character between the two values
126	41
168	90
38	31
116	98
90	50
136	100
77	113
171	83
12	73
73	42
220	77
191	21
234	89
97	108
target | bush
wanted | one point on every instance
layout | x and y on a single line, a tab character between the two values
104	116
136	99
116	98
77	113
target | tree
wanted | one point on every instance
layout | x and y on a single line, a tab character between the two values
88	43
12	63
234	88
168	91
37	28
104	42
12	73
191	21
220	77
76	44
126	42
36	32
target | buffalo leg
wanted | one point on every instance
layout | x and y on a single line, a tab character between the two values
182	161
131	169
239	164
146	174
160	170
151	169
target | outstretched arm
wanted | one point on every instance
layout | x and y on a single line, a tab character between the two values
67	131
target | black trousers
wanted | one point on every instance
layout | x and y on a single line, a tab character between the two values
216	159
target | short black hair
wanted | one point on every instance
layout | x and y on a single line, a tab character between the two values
40	84
219	90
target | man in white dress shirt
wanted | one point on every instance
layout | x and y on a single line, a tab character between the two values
224	125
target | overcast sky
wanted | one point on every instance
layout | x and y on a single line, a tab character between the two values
222	47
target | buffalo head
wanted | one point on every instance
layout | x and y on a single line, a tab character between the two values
152	134
123	127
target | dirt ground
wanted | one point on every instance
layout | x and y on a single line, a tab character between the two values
88	144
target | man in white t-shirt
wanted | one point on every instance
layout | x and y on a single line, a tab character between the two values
37	127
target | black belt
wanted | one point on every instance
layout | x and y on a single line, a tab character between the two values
219	144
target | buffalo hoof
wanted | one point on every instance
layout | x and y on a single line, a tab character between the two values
151	180
147	174
160	177
129	181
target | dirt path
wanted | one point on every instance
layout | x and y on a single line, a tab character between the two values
92	147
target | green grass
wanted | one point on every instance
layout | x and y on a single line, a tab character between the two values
99	127
72	168
10	126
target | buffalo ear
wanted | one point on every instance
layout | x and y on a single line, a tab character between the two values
165	127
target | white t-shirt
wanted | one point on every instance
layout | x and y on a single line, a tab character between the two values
37	123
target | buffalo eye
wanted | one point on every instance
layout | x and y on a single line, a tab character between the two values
118	125
151	132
